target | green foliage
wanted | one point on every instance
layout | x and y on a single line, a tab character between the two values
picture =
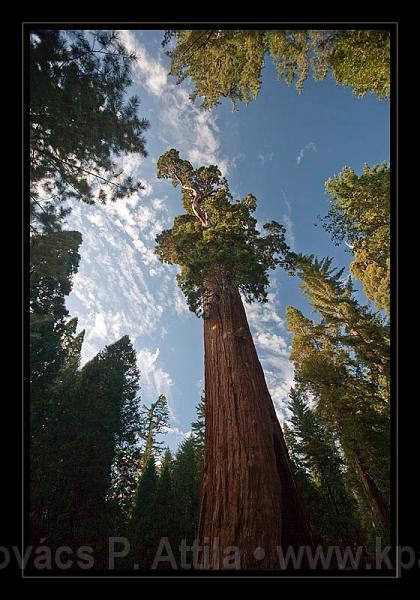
360	215
80	122
199	430
361	58
228	63
217	239
54	258
315	454
343	318
166	503
153	421
143	526
186	478
342	361
89	416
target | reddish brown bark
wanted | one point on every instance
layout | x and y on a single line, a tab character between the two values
377	502
248	496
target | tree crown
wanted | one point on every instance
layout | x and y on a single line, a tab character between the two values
217	238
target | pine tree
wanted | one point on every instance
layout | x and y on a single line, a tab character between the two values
331	509
360	216
143	526
228	63
47	428
92	413
153	421
248	495
166	508
80	122
199	430
348	403
186	480
54	260
355	326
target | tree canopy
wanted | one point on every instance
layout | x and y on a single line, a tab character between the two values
360	216
217	236
81	122
228	63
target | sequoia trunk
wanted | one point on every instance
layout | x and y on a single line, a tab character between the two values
249	498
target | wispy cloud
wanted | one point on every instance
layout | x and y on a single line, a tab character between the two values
233	162
185	126
271	340
154	379
288	223
302	151
264	158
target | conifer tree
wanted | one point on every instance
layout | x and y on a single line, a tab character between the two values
80	122
143	527
348	403
199	430
166	508
360	216
153	422
54	260
92	413
228	63
186	480
248	495
354	326
334	518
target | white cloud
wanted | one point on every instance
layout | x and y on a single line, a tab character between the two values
288	223
271	342
186	127
154	379
265	158
100	328
302	151
233	162
150	72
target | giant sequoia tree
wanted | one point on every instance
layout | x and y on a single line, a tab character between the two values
248	494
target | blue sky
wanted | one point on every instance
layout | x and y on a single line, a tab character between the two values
281	148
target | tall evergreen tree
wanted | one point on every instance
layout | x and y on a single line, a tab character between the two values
228	63
248	495
186	480
354	326
143	528
348	402
333	517
199	430
80	121
153	422
166	507
92	414
360	216
47	440
54	260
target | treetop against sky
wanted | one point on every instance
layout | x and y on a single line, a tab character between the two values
281	148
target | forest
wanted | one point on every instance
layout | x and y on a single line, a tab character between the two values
243	488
